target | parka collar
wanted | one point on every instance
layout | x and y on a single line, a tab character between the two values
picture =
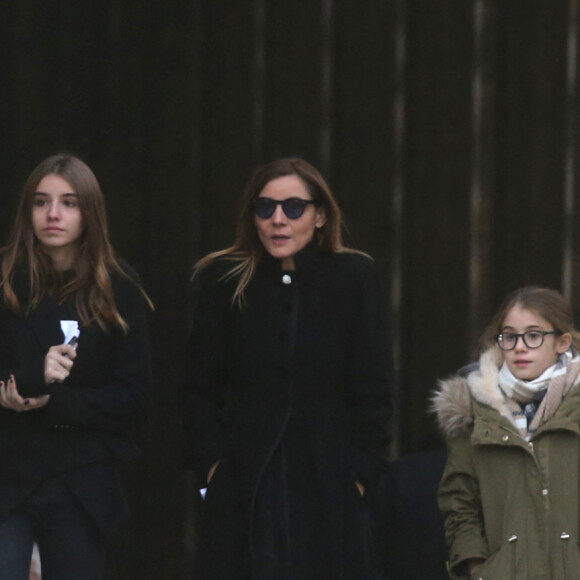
453	402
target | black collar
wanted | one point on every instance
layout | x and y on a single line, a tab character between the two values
307	260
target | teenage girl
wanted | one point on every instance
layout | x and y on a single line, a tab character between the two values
74	369
510	489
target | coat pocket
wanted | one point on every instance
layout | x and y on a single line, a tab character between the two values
570	551
502	564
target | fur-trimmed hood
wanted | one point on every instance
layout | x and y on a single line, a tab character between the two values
452	401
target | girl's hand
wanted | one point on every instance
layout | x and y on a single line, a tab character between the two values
473	564
10	399
58	363
360	487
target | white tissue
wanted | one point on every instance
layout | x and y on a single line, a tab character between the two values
70	329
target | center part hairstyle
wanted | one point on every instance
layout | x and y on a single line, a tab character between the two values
89	287
544	302
247	247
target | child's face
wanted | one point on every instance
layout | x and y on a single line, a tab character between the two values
529	363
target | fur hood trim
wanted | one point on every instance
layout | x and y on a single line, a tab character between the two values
452	401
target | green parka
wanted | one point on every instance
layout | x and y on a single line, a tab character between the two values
511	502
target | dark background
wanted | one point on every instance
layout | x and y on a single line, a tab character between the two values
448	130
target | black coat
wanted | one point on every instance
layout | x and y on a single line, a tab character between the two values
83	428
290	394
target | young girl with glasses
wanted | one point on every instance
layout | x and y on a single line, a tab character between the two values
286	396
74	370
510	491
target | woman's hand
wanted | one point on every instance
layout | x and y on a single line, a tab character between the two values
10	398
212	471
360	487
58	363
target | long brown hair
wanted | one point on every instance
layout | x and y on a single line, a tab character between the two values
247	248
90	288
545	302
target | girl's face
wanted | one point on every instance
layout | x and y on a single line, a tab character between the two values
282	236
529	363
57	220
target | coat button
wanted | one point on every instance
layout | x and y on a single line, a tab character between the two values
286	279
505	438
544	492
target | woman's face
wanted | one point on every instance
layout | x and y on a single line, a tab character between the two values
57	220
281	236
529	363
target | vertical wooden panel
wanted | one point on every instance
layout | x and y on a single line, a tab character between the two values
436	204
528	205
574	119
10	177
483	178
363	154
294	50
571	260
227	115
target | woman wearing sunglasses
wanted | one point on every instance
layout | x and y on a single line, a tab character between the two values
74	370
510	489
286	394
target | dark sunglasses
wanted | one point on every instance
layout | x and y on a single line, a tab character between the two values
293	207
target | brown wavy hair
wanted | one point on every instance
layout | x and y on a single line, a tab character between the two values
90	288
247	248
545	302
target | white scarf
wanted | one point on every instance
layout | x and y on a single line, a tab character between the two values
556	381
524	391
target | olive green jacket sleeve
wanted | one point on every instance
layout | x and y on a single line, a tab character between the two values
460	503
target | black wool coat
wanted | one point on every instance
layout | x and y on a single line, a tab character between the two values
290	393
82	430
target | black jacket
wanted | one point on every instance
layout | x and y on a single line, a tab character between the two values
291	388
84	425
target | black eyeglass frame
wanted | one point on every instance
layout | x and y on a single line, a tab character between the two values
544	333
286	204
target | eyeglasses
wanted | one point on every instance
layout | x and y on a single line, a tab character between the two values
293	207
531	338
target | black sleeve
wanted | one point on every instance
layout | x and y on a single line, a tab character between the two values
370	380
21	355
206	375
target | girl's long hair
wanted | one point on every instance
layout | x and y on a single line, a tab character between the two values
545	302
247	248
90	288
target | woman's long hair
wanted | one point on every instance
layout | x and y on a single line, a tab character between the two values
90	287
247	247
